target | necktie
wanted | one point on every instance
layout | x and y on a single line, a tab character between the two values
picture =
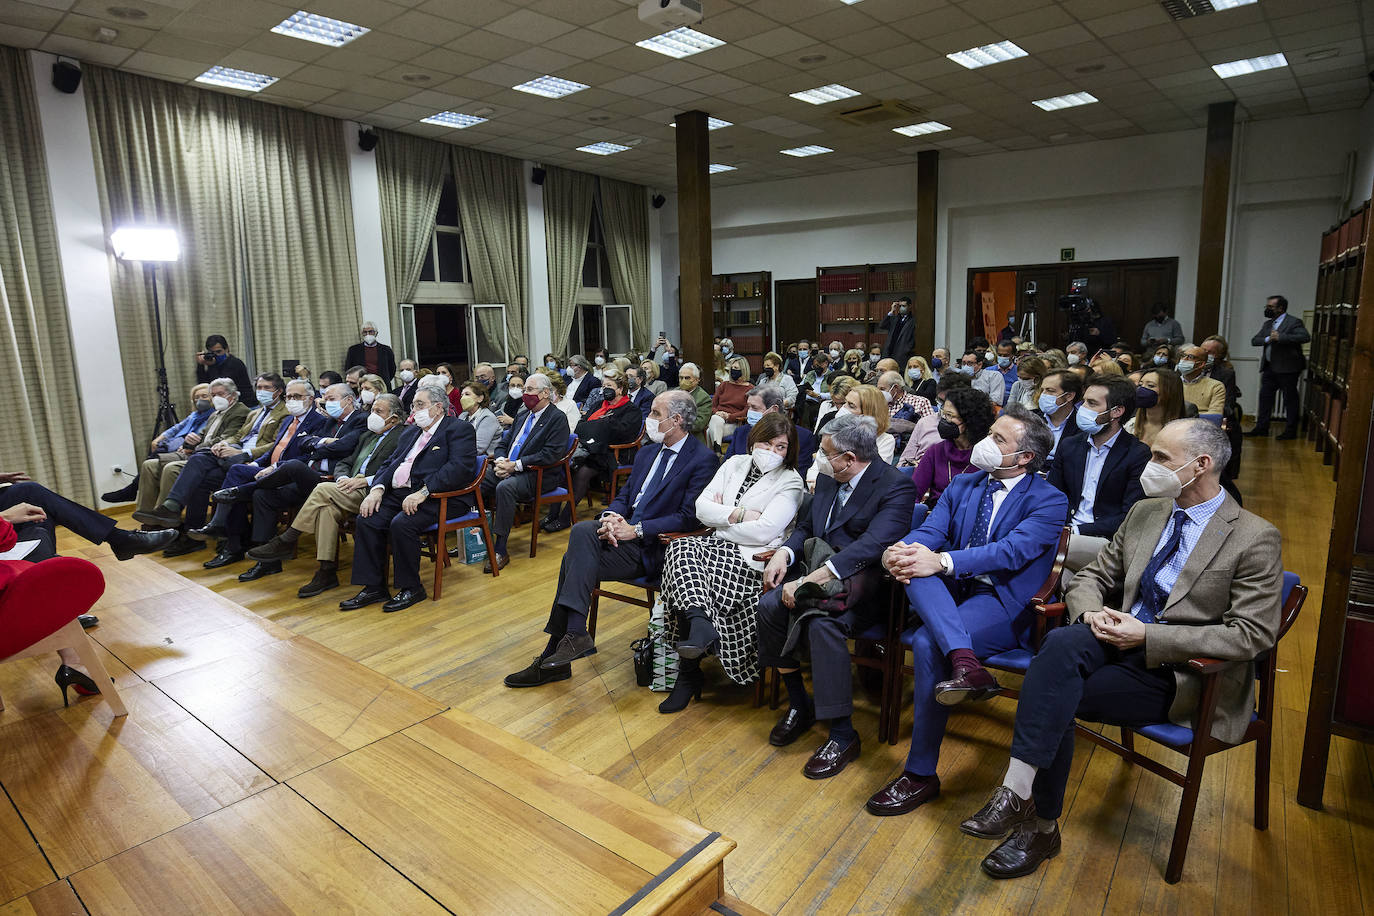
837	507
361	470
520	439
1152	597
285	440
665	459
983	521
400	478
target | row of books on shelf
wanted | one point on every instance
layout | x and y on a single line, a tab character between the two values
740	317
1338	286
1346	238
739	290
875	310
874	282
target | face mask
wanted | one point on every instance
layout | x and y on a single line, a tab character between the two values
753	416
369	339
375	423
914	374
1160	360
1268	312
1146	397
422	418
803	354
600	360
823	465
468	401
531	401
515	391
334	408
1086	418
654	430
686	382
887	394
296	408
873	358
725	351
986	457
203	405
844	410
988	356
368	396
903	309
1185	366
967	370
765	459
1049	404
1004	361
550	364
735	374
266	397
1211	359
608	392
1074	359
948	430
834	354
219	402
221	357
633	383
407	376
767	372
937	363
1158	480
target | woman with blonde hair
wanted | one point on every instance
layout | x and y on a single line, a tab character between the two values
730	404
648	371
1030	372
839	387
920	380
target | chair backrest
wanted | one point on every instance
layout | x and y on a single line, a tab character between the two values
638	440
1294	597
1213	418
44	598
481	469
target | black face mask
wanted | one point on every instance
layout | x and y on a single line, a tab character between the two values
1268	312
735	374
1146	397
948	431
766	373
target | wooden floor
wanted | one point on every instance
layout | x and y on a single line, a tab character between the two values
803	846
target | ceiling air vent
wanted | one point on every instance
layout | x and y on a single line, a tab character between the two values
881	113
1187	9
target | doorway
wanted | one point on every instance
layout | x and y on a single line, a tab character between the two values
796	312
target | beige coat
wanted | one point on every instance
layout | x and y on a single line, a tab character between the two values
1225	605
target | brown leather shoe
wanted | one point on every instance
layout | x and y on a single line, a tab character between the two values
903	795
502	561
967	684
830	758
1002	812
1022	852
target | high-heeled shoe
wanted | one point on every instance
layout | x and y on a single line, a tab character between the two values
70	677
687	688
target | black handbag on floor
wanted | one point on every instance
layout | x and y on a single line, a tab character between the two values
643	650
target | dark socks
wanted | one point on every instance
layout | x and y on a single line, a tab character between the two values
291	536
963	658
500	545
842	729
796	690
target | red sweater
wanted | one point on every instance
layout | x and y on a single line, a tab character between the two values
733	398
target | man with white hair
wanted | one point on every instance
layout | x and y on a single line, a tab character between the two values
689	380
373	356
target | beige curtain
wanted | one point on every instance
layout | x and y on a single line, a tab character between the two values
491	207
567	218
410	175
625	219
44	434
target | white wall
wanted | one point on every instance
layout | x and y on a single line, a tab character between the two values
1364	166
367	235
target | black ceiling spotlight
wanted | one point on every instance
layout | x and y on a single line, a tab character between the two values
537	175
66	76
658	200
367	139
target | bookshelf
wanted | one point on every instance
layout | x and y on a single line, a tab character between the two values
854	300
742	310
1335	311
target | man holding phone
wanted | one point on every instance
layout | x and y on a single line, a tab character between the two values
215	361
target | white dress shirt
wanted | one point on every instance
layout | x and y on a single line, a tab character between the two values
1092	473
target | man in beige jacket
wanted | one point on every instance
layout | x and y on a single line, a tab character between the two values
1199	576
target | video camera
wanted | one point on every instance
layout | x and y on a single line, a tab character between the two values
1081	308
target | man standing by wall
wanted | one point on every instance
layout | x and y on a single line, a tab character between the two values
900	326
1281	362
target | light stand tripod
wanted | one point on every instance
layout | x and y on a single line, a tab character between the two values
166	411
1028	329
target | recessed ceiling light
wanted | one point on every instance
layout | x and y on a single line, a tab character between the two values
717	167
1072	100
681	42
822	94
416	77
131	13
1220	5
800	151
551	87
1323	54
850	2
598	118
811	59
711	123
925	127
484	112
602	149
319	29
1250	65
987	55
236	79
453	119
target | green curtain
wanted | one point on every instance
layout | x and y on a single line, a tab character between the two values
491	207
410	177
567	217
45	435
625	219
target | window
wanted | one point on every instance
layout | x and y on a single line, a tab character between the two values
598	321
447	260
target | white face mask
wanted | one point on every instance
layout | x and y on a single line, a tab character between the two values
423	418
654	430
987	457
376	423
369	395
515	392
1159	480
297	408
1074	359
842	410
887	394
407	376
1185	366
220	402
823	465
765	459
834	354
369	339
600	360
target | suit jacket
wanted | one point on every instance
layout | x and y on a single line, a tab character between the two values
546	443
349	466
776	494
233	369
1118	486
229	425
449	461
796	368
386	359
406	393
643	398
311	423
581	389
345	432
267	434
672	507
1226	603
806	446
901	336
1284	354
1020	550
874	518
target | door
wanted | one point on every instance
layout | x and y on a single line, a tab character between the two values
796	315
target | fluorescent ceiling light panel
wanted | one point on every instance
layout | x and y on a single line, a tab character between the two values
1250	65
453	119
822	94
145	243
987	55
551	87
682	42
800	151
1071	100
603	148
319	29
236	79
852	2
711	123
1220	5
925	127
715	167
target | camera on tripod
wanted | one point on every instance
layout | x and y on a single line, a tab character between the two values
1080	306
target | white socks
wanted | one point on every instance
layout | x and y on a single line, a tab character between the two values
1020	777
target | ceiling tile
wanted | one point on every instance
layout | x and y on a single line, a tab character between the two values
580	12
426	27
527	25
584	43
472	13
486	45
161	65
776	41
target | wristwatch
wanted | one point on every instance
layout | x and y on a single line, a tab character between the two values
639	531
947	563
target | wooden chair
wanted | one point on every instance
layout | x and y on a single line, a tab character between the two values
561	494
621	469
1197	749
436	537
650	586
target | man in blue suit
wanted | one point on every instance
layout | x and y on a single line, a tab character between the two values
831	564
970	572
438	454
659	498
768	398
640	396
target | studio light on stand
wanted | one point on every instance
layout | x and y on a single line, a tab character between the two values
151	246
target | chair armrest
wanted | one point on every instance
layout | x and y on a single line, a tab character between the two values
1051	611
669	536
763	556
1207	665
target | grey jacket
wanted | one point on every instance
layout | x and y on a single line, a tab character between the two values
1284	354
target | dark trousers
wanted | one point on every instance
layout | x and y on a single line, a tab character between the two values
1270	382
285	488
588	562
1075	676
503	495
203	475
404	532
61	511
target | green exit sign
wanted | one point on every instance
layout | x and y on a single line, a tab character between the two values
1066	254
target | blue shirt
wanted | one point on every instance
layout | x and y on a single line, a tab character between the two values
1197	518
193	423
1092	472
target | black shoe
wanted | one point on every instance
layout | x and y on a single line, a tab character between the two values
371	594
223	558
502	561
1257	431
260	569
793	724
182	546
88	621
229	495
276	549
832	757
324	580
211	532
1285	437
160	517
122	495
570	648
1022	852
687	689
701	637
537	675
404	599
70	677
129	544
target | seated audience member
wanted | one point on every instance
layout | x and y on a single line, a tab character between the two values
830	565
669	361
1006	365
1188	552
659	498
615	421
1219	367
376	358
515	392
560	394
1199	389
728	404
353	378
327	378
985	379
330	503
853	365
581	380
920	380
1104	363
1030	372
171	446
1060	392
1164	356
965	418
436	454
648	372
539	436
689	382
641	397
600	357
940	363
970	571
815	384
1099	469
902	405
830	408
1055	358
773	374
799	362
215	361
1127	361
407	379
927	430
712	584
1076	353
764	399
484	373
1159	401
35	512
474	401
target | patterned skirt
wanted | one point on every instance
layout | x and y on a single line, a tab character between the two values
708	573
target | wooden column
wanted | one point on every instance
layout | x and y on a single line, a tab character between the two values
1216	194
694	241
927	188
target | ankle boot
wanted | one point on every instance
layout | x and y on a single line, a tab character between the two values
687	688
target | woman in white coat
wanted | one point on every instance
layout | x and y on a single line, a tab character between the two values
711	585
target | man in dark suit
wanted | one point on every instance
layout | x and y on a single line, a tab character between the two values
900	326
405	374
538	436
36	512
582	381
1281	362
640	396
1099	468
375	357
800	364
1060	393
768	398
438	454
659	498
970	571
862	505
